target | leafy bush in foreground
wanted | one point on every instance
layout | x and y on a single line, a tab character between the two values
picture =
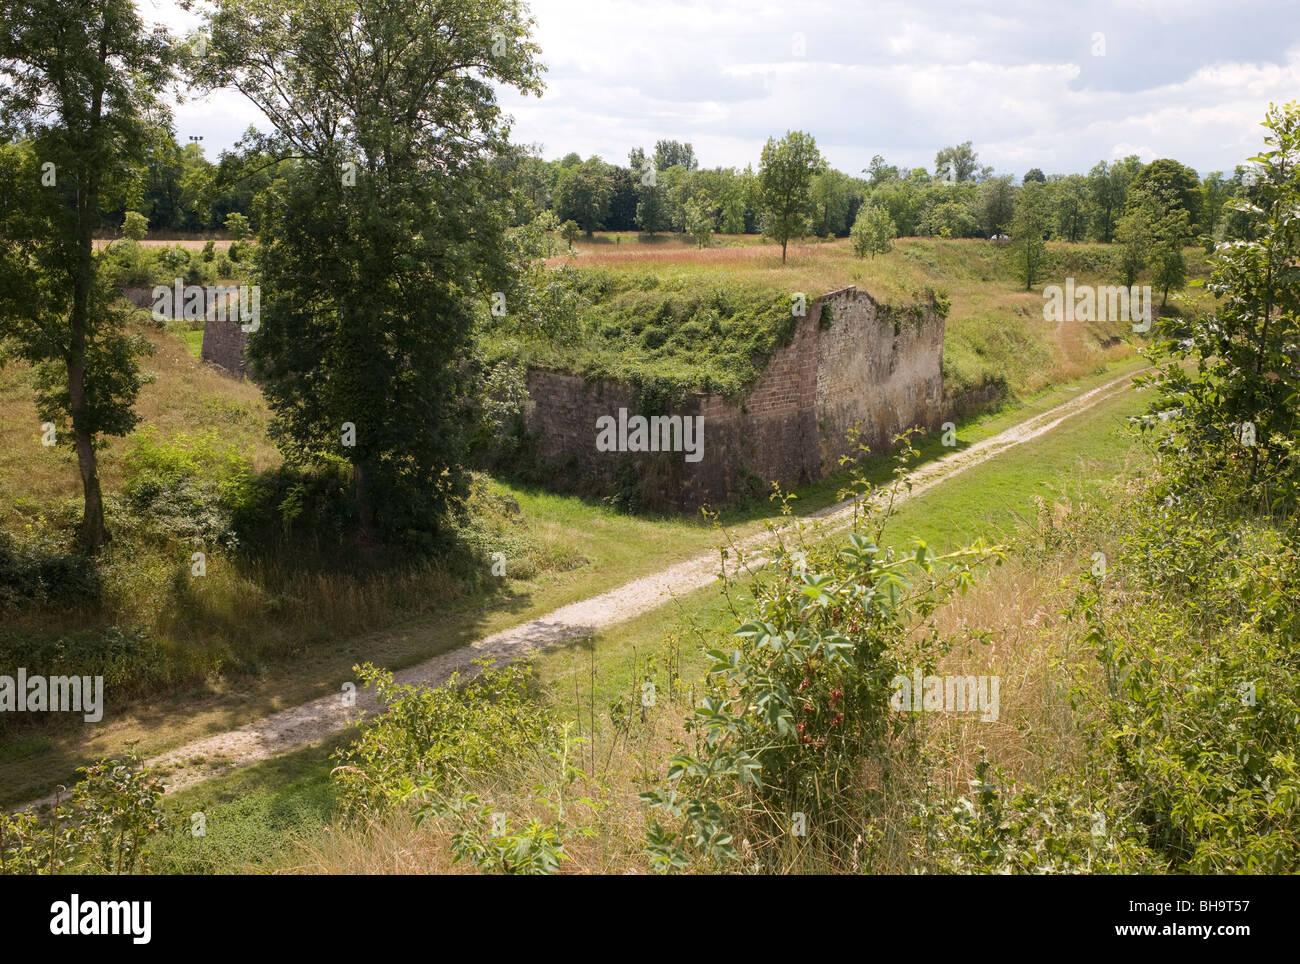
104	827
797	710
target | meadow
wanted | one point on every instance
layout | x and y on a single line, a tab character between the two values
183	663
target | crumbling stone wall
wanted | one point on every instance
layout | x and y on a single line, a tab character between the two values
223	345
223	341
850	360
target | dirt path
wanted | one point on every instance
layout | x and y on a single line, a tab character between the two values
303	725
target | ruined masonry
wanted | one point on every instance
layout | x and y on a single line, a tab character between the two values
851	360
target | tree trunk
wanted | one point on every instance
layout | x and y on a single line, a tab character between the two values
93	532
783	244
365	506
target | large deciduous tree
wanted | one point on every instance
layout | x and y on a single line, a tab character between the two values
957	163
585	193
80	79
387	239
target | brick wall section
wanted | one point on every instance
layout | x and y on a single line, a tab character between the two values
878	367
790	427
223	345
223	341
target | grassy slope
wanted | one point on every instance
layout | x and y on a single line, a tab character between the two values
609	547
995	327
614	547
255	817
183	396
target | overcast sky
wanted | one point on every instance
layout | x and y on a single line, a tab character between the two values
1056	85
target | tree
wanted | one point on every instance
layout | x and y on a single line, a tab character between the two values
1236	367
879	172
675	184
949	219
570	232
733	209
380	249
997	203
956	164
585	194
1153	231
903	200
1237	222
196	188
1102	203
623	200
1168	263
237	225
832	194
1215	193
1172	232
1070	198
785	177
649	206
1175	184
135	226
873	231
241	176
81	83
699	221
1028	229
675	154
1034	174
161	203
1134	234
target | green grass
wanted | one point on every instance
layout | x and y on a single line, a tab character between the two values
677	319
597	548
251	818
255	815
193	341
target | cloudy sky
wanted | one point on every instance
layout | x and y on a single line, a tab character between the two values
1056	85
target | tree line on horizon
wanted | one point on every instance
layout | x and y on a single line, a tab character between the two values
666	190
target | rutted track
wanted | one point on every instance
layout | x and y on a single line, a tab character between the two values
300	726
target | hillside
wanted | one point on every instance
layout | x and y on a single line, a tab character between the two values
708	319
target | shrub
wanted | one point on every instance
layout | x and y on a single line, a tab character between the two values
135	226
435	738
1202	687
105	826
43	572
186	487
799	704
126	264
129	661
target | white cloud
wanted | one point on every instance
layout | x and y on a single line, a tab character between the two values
901	79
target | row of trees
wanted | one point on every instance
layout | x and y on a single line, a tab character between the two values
1151	228
667	190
